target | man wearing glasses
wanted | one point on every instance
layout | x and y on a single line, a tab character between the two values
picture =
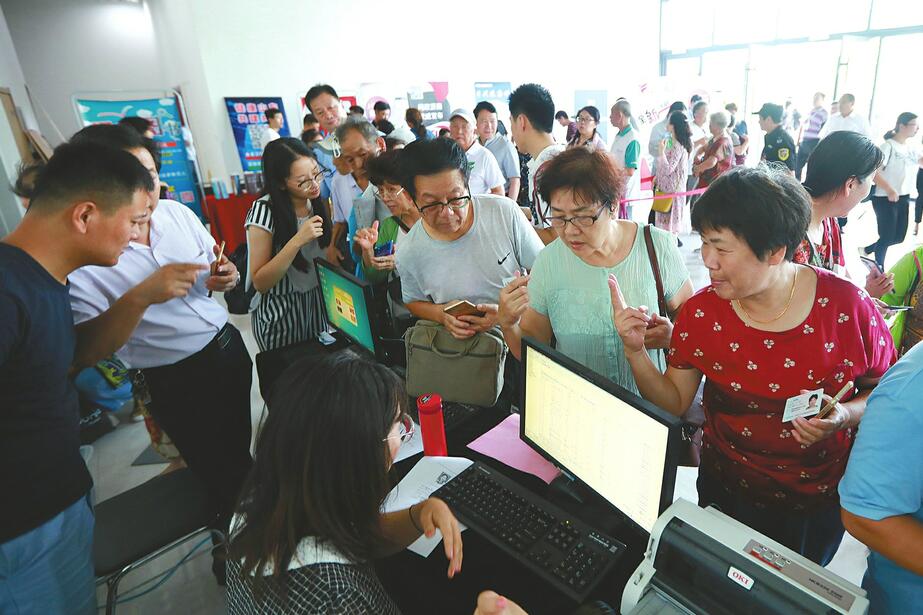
356	203
465	247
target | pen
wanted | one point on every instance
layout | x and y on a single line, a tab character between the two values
836	399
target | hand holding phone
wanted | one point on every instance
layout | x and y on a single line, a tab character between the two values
463	308
385	249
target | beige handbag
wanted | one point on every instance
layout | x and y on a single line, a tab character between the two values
466	371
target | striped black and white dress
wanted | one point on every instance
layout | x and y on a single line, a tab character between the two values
292	310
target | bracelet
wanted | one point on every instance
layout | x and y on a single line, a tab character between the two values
410	512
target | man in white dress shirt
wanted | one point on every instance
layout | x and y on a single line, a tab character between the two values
846	119
484	174
274	121
156	302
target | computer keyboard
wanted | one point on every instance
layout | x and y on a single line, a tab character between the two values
550	542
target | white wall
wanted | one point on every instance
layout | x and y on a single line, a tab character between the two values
81	46
11	77
217	48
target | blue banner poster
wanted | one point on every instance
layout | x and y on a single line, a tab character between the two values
248	122
595	98
177	172
497	93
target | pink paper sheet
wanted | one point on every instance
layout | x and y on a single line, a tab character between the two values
503	444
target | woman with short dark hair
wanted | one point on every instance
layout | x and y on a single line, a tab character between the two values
309	522
766	330
566	294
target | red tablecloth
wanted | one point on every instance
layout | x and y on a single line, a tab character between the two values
227	216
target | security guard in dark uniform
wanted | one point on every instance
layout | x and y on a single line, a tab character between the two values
779	145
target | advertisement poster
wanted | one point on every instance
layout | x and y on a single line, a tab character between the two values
248	123
598	99
177	173
432	99
497	93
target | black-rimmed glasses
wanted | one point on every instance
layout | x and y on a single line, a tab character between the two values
453	204
582	221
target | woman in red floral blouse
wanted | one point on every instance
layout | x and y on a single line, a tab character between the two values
765	330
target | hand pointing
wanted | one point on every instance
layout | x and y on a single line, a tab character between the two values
631	323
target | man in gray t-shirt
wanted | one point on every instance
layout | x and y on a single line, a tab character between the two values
464	247
503	150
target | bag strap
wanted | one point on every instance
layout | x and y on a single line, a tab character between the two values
655	267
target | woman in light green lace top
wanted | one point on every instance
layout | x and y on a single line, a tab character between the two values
566	296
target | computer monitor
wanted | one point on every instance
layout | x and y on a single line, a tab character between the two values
346	304
619	445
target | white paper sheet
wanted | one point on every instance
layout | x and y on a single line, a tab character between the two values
429	474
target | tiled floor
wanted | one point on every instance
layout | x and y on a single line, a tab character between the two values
192	589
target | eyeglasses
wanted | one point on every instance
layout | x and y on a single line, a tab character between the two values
584	120
386	193
453	204
405	430
581	221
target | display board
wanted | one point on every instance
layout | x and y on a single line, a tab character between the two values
248	122
177	173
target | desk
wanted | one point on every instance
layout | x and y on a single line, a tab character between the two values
420	585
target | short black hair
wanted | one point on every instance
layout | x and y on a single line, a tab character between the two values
357	109
765	206
89	171
140	124
310	118
484	106
317	90
271	113
561	114
26	178
386	167
533	101
677	105
381	106
120	137
429	158
839	156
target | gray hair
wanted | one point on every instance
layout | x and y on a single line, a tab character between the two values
719	118
624	107
360	125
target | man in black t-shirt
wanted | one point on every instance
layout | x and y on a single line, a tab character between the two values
779	146
87	204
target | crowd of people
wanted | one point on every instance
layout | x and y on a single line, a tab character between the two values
542	239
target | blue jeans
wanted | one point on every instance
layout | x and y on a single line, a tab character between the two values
49	569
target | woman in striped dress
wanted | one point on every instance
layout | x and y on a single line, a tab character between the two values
286	229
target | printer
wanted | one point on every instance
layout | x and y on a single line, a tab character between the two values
699	560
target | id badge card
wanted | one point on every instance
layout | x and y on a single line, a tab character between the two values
806	404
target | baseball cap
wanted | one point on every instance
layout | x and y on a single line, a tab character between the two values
464	114
770	110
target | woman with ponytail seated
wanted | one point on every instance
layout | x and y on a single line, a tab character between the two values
840	173
286	229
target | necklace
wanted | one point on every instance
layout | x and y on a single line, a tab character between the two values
780	314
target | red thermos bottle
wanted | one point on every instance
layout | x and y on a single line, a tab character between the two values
429	407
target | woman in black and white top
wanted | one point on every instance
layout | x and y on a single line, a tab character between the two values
286	229
309	522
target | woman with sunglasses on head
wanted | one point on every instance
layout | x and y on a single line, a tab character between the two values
587	136
287	228
309	523
567	297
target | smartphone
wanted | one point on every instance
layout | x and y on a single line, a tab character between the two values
899	308
462	308
385	249
871	264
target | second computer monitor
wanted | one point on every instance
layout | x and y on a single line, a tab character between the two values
346	304
622	447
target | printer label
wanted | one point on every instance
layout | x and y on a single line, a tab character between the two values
740	578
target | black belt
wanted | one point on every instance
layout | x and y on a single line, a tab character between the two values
223	338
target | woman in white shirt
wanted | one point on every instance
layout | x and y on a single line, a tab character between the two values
287	228
893	185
